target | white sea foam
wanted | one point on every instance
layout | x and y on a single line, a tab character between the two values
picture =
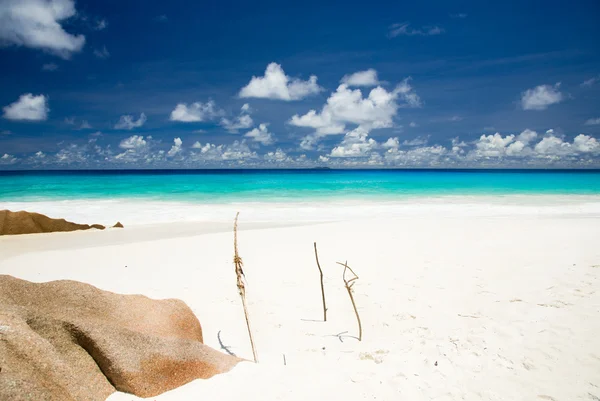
139	212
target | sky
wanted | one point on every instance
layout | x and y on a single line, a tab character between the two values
152	84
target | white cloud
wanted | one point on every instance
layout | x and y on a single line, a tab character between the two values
278	156
459	15
50	67
243	121
413	124
87	154
176	148
237	151
590	82
553	146
101	25
276	85
7	159
391	143
37	24
455	119
418	141
102	53
493	145
404	29
261	135
593	121
133	142
85	125
28	108
361	78
356	143
423	156
540	97
586	144
195	112
347	106
527	136
127	122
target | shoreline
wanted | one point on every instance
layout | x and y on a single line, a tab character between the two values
138	212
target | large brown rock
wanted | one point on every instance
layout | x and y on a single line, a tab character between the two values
12	223
65	340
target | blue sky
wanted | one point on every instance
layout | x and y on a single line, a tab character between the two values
147	84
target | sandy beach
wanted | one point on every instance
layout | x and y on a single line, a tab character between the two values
453	306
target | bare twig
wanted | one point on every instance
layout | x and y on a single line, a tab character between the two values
237	261
322	287
223	346
349	283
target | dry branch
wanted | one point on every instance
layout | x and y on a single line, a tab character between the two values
322	287
349	283
237	261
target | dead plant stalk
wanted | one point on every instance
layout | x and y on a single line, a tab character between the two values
349	283
237	261
322	286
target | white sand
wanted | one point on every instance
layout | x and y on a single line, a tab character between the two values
507	306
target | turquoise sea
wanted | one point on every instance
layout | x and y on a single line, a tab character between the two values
217	186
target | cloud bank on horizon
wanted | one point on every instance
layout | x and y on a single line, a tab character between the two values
394	94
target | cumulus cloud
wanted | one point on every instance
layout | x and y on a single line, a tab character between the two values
540	97
238	150
404	29
243	121
278	156
37	24
261	135
494	145
593	121
586	144
356	143
176	148
348	106
102	53
7	159
28	108
195	112
276	85
527	136
423	156
555	147
361	78
127	122
418	141
133	142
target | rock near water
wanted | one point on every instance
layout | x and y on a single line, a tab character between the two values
12	223
65	340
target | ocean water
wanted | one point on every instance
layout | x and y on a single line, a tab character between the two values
175	195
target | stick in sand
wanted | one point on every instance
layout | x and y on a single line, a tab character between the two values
237	261
349	284
322	287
